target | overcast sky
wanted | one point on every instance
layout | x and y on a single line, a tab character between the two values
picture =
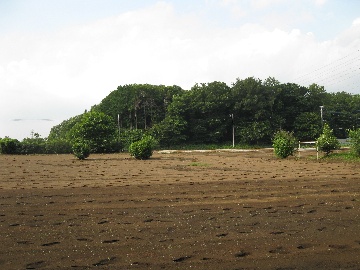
60	57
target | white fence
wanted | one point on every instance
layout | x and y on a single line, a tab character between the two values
308	143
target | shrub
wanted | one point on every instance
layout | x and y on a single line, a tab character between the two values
81	149
129	136
58	146
284	144
327	142
355	141
143	149
97	129
9	146
34	145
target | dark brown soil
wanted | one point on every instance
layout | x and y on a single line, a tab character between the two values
212	210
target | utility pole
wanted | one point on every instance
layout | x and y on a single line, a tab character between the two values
321	115
119	124
233	130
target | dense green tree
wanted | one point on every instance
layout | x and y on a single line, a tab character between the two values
253	103
10	146
256	132
307	126
58	146
171	131
138	105
315	97
289	103
342	112
96	129
34	145
62	131
200	115
128	136
206	112
327	141
354	135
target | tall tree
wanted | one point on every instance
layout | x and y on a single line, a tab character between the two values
342	112
208	115
253	108
97	129
138	105
290	102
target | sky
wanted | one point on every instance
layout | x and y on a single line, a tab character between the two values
59	58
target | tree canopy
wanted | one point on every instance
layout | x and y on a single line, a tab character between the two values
207	112
97	129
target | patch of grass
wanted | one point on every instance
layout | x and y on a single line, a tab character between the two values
227	145
347	156
199	164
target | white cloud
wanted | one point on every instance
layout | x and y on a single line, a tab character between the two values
60	75
260	4
356	22
320	3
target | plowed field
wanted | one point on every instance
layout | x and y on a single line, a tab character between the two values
188	210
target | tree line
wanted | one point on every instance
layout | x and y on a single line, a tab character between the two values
207	113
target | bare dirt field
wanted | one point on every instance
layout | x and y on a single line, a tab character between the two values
192	210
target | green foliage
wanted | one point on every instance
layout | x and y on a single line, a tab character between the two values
254	132
342	113
129	136
284	144
62	131
58	146
33	145
81	149
139	106
143	149
170	132
354	136
97	129
343	156
10	146
291	100
253	98
201	115
327	142
307	126
206	112
253	108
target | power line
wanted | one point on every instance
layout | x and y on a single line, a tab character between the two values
344	69
330	64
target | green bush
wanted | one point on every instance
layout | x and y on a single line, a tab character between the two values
10	146
143	149
97	129
284	144
34	145
129	136
327	142
355	141
81	149
58	146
